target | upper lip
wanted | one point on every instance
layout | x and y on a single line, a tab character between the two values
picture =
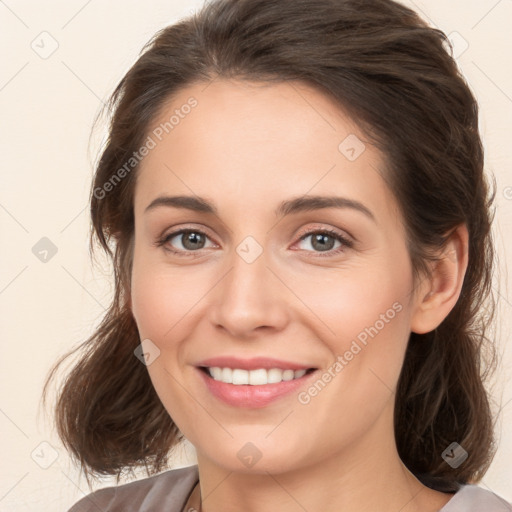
254	363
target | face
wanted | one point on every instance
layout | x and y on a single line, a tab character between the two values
264	288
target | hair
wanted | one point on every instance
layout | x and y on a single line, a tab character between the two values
397	79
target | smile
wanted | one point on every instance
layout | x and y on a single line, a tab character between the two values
252	383
258	377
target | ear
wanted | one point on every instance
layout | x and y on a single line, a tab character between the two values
439	292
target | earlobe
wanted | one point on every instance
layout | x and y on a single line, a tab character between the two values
440	291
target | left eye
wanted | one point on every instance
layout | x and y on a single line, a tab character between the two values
324	241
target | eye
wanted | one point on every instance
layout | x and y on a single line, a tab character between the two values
324	241
191	240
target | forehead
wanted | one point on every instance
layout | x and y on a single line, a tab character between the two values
252	140
289	115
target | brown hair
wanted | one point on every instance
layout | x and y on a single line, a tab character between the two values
393	74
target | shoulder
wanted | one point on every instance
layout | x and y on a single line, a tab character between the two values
471	498
167	492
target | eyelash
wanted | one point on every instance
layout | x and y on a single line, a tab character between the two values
345	242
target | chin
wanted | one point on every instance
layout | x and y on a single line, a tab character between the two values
256	459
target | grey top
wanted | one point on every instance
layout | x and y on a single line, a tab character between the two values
169	492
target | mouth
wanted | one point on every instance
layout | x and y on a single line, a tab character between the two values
258	377
253	383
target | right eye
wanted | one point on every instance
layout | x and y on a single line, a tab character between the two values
191	240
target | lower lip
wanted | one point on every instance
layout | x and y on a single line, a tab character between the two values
253	397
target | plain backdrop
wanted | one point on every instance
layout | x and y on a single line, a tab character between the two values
60	61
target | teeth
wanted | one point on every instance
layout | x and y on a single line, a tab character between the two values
258	377
240	377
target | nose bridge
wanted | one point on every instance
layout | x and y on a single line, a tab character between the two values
249	296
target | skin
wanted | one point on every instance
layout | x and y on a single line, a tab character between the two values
247	147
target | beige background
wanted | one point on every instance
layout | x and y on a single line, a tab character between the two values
48	103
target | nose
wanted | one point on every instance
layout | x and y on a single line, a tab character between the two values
250	299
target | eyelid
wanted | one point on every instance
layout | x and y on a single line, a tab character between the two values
302	232
179	228
332	230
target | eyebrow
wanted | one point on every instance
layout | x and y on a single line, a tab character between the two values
288	207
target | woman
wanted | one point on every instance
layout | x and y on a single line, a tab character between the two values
321	349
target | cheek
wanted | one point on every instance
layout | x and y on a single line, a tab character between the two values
364	315
162	297
360	303
151	297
